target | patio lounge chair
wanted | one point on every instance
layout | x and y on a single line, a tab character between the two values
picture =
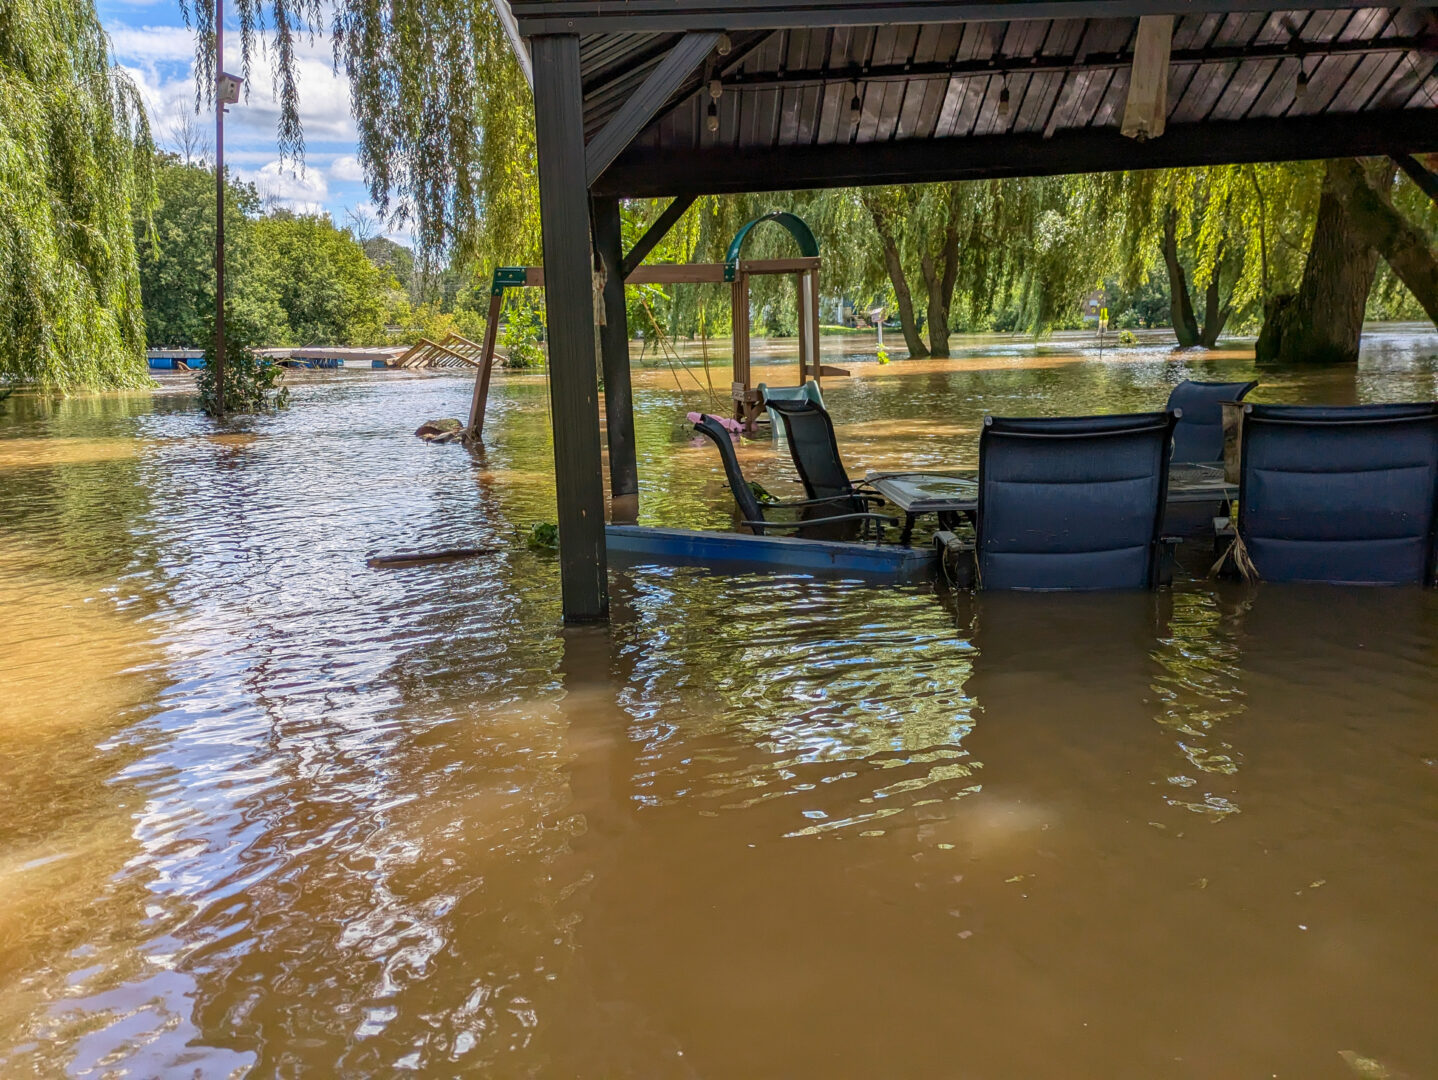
1340	494
815	451
1198	437
808	392
1073	502
816	515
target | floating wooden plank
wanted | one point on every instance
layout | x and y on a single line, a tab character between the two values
639	545
421	558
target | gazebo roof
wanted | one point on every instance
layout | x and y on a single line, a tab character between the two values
930	78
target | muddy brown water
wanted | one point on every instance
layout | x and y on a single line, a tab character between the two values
267	812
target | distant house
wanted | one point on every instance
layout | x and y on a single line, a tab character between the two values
1093	305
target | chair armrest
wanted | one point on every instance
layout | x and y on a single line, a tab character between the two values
781	503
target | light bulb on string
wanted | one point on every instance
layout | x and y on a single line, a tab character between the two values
1004	100
711	118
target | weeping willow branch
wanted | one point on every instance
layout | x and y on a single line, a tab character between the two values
444	113
76	165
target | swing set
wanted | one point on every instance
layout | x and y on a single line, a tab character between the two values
734	270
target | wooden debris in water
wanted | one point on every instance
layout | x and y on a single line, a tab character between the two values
419	558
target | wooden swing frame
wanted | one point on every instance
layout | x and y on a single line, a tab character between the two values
736	271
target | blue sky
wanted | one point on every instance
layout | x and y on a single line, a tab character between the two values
151	42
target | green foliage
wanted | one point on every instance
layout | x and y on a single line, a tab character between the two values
75	165
251	381
543	536
1127	337
519	336
177	260
761	493
883	354
443	111
292	279
329	290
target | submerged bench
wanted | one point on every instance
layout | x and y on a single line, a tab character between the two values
639	545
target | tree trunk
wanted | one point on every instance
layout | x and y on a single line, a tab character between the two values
1402	244
940	279
1323	323
1215	313
901	285
1185	326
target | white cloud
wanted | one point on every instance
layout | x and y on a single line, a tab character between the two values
304	192
346	167
160	60
149	45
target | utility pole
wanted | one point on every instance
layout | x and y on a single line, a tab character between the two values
220	207
227	92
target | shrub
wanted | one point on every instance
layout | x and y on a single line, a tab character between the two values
521	345
250	379
1127	337
543	536
883	354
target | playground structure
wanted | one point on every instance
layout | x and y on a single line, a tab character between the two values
453	351
734	270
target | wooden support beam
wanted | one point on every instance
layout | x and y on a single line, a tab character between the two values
1419	174
480	400
651	96
1146	110
569	311
655	233
614	356
692	273
642	173
809	291
741	390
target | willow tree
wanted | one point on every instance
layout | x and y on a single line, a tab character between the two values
1357	221
445	116
1235	235
75	160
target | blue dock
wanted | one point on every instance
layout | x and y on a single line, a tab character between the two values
639	545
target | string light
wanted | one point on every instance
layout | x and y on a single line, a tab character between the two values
711	119
725	45
1300	88
856	107
1004	100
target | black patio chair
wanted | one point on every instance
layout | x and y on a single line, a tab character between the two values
815	514
1198	437
1070	503
1340	494
815	451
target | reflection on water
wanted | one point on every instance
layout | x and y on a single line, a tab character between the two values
265	810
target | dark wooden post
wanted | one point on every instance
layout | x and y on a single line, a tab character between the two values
739	299
569	315
480	400
614	353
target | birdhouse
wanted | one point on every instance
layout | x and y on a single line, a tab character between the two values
230	88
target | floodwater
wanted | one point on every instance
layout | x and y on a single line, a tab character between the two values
267	812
